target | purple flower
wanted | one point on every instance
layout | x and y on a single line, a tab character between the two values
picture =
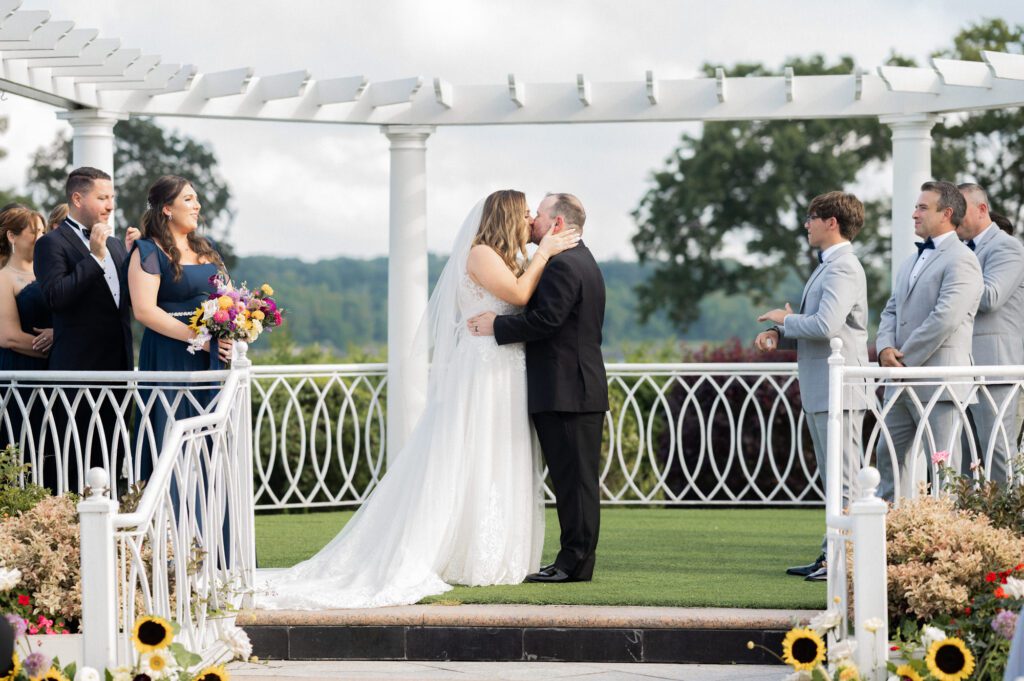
271	305
36	664
1005	623
18	624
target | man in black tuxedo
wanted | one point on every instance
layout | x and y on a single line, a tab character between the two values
79	269
567	388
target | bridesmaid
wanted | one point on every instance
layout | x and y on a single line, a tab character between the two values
169	269
26	333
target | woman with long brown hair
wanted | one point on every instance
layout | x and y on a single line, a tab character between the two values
169	272
461	502
26	332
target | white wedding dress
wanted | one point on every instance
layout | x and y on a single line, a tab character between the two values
462	502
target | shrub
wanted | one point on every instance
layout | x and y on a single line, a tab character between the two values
13	497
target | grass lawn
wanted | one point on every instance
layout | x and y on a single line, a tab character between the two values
675	557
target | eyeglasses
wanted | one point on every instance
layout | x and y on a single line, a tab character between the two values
810	217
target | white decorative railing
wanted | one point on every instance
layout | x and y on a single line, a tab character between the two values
67	422
676	434
187	552
939	402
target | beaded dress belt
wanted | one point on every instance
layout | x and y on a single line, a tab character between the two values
182	314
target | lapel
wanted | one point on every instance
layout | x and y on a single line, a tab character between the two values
70	234
838	253
940	252
983	248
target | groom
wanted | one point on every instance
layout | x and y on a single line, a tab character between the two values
566	383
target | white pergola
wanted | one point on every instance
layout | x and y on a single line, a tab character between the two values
97	82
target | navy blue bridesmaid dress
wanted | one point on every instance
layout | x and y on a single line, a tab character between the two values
33	314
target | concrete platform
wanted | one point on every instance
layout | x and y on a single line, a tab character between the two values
518	633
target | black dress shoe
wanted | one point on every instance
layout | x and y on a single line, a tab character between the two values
550	574
819	575
804	570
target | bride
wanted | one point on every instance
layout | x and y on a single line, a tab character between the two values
461	503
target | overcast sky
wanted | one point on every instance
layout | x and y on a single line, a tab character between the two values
328	184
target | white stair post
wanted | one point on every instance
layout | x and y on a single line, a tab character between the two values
99	574
870	585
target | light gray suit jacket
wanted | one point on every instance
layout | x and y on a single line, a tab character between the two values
931	319
999	324
834	305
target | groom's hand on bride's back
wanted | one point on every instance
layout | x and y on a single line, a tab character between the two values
482	324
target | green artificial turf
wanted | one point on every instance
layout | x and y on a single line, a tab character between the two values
670	557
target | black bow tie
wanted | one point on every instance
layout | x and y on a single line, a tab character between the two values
86	231
970	244
820	259
923	246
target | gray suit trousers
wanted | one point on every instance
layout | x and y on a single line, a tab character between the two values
940	432
988	430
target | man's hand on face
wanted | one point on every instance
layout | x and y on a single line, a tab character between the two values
482	324
98	239
890	357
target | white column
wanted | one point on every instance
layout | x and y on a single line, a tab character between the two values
92	142
870	590
911	167
407	279
99	573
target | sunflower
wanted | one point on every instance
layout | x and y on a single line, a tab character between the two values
15	669
152	633
803	649
53	675
907	673
217	673
950	660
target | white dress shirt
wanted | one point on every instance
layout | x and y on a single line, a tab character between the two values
928	253
832	249
107	263
983	234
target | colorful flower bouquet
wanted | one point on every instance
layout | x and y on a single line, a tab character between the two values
236	314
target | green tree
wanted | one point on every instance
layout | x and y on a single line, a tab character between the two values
746	186
986	147
143	151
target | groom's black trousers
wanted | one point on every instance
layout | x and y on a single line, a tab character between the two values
571	443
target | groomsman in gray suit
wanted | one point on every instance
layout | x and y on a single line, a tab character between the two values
834	305
928	322
998	328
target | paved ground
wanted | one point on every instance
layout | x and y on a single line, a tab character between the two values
502	671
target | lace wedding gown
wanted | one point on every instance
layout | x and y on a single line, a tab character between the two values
461	503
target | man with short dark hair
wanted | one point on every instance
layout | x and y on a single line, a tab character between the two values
79	269
834	305
567	389
928	322
998	329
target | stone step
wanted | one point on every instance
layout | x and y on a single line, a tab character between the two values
553	633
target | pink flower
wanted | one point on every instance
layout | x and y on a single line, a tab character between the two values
940	458
221	316
271	305
277	318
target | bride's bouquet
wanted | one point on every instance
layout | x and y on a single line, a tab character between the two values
234	313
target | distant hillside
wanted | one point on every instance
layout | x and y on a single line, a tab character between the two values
343	302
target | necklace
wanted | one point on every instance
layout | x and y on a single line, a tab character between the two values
21	275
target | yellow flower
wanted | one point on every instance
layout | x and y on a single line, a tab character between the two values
803	649
258	314
907	673
152	633
224	302
53	675
217	673
267	290
848	674
156	662
15	669
950	660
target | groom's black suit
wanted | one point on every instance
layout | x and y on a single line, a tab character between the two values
567	392
90	331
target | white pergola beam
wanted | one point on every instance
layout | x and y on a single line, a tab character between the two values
790	84
115	65
338	90
910	79
583	90
156	79
70	44
222	83
720	85
137	72
21	25
963	73
95	53
444	93
7	8
651	86
280	86
1005	65
390	92
45	37
516	90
